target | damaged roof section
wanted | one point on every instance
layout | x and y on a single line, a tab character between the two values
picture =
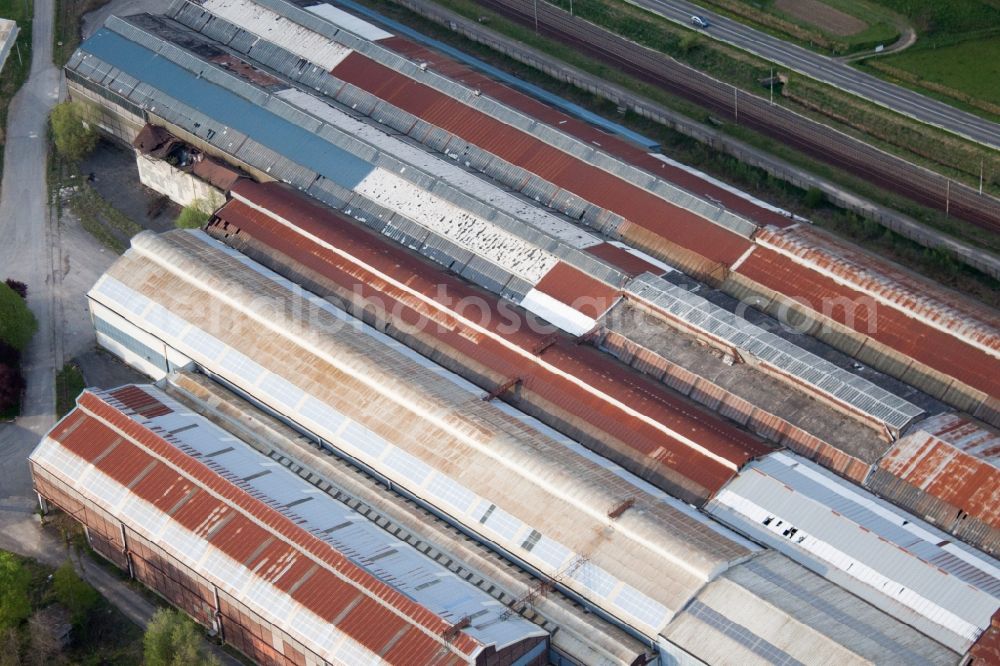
947	469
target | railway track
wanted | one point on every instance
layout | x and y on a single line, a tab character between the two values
815	139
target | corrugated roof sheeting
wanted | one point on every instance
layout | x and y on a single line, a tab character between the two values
329	245
561	169
852	392
729	622
584	131
211	516
912	346
951	460
884	555
747	412
881	303
917	296
429	425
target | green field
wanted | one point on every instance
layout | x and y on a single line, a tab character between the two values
940	22
971	67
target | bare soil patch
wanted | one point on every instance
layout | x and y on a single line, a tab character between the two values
823	16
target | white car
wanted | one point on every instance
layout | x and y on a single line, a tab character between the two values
700	22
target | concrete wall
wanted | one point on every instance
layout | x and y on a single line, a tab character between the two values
180	187
8	35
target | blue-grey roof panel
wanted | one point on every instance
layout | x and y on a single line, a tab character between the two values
217	102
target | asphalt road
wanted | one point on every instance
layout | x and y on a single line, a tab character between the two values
27	253
831	71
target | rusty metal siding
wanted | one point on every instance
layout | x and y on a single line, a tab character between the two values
769	426
642	208
948	468
146	465
764	278
907	335
599	420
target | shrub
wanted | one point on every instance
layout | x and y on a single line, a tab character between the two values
814	198
73	139
11	386
173	639
15	606
19	288
192	217
73	593
17	323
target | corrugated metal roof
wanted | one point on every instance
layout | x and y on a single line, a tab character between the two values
884	555
602	397
223	500
731	621
518	147
227	107
874	298
953	459
821	376
492	469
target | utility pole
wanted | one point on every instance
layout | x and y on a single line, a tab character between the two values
772	86
736	104
536	17
570	7
982	164
947	198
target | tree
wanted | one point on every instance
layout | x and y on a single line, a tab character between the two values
15	606
194	216
73	593
17	324
11	385
19	288
173	639
73	139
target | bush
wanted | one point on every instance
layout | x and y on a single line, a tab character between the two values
19	288
73	139
15	606
814	198
73	593
192	217
11	385
17	323
173	639
690	42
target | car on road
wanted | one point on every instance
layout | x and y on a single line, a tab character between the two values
700	21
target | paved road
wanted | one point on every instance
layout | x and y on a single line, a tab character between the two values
59	261
832	71
26	254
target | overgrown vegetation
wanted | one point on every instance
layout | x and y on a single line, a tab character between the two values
15	72
67	26
173	639
194	216
17	326
947	271
68	188
53	617
73	138
69	385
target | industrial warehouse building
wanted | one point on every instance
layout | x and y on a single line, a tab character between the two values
251	81
644	562
280	572
514	449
